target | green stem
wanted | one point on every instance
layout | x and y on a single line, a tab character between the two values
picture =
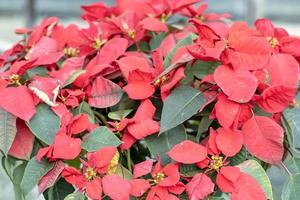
103	119
129	160
286	169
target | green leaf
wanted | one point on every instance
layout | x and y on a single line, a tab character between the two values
8	130
291	188
44	124
291	124
202	68
75	196
159	145
34	171
293	164
156	40
239	157
99	138
37	71
85	108
189	170
120	114
180	105
59	191
254	169
123	172
203	126
73	77
185	41
17	178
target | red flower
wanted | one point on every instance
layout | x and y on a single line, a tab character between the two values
164	183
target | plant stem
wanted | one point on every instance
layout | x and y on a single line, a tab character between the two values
128	160
286	169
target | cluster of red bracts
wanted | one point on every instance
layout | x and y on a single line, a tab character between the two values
259	67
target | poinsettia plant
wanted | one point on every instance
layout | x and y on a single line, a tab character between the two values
153	99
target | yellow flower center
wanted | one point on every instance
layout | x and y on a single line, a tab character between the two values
15	79
161	81
98	43
216	162
131	33
164	17
90	173
70	52
273	42
201	18
158	177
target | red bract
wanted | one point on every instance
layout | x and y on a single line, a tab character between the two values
240	185
188	152
18	101
87	104
263	138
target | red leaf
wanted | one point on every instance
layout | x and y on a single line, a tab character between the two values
69	67
227	178
66	147
112	49
247	189
142	168
18	101
23	143
94	189
154	24
199	187
229	141
188	152
116	188
264	139
283	70
50	178
250	53
239	85
45	51
226	111
139	187
276	98
79	124
104	93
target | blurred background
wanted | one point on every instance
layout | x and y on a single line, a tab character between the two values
24	13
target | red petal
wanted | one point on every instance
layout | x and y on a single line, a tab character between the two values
139	90
142	168
131	63
18	101
172	172
250	53
265	26
23	143
139	187
229	141
94	189
247	189
79	124
74	177
102	157
104	93
264	139
112	49
153	24
226	111
227	178
199	187
277	98
141	129
283	70
49	179
45	51
116	188
238	85
66	147
68	67
188	152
